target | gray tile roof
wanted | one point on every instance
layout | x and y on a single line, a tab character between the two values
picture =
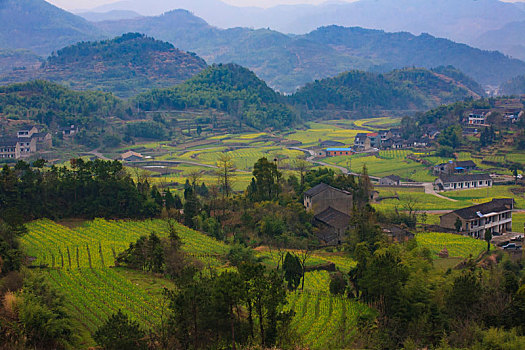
334	218
464	177
8	141
321	188
494	206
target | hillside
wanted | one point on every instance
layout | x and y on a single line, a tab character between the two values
125	66
41	27
515	86
229	88
508	39
54	105
287	62
18	60
395	50
406	89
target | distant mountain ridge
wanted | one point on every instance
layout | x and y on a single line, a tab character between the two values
287	62
126	65
41	27
515	86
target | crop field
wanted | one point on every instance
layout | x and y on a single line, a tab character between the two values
377	123
378	166
93	243
323	132
458	246
518	220
341	262
322	320
416	197
482	195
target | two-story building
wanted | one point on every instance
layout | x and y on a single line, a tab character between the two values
462	182
367	141
331	208
28	140
494	217
477	118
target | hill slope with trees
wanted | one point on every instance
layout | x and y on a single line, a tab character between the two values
412	88
126	65
229	88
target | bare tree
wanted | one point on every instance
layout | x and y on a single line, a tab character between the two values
225	173
305	253
302	166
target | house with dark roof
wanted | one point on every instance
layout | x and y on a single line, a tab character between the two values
494	217
329	143
390	180
455	167
331	208
9	148
462	182
332	226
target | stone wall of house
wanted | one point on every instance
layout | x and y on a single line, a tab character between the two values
332	198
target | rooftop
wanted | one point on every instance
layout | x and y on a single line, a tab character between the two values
321	188
392	177
344	149
130	154
494	206
464	177
334	218
8	141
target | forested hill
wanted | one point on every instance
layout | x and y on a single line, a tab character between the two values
412	88
287	62
18	60
229	88
54	105
514	86
127	65
41	27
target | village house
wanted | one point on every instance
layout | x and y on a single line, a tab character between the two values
367	141
329	143
462	182
27	142
131	156
332	152
477	118
390	180
494	217
455	167
331	208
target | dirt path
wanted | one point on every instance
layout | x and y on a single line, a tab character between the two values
429	189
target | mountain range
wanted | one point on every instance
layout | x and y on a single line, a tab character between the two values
285	62
463	21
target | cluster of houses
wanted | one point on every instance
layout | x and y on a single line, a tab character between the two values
391	139
332	208
26	143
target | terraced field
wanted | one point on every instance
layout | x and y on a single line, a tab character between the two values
322	320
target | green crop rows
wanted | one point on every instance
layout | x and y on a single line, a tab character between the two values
457	245
58	246
323	320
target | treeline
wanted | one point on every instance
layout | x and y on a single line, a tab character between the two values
55	105
86	189
229	88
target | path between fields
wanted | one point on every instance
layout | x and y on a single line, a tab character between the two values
429	189
176	162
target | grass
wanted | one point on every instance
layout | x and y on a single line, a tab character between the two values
417	198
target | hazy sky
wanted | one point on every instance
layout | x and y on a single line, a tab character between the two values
88	4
